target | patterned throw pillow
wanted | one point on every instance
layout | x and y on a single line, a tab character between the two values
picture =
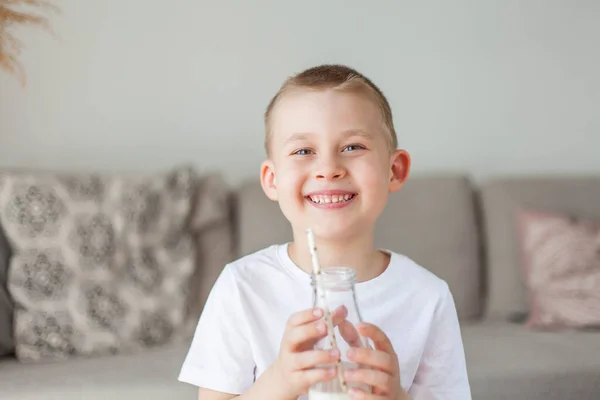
6	305
100	264
561	260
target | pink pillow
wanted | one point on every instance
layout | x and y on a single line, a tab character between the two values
561	267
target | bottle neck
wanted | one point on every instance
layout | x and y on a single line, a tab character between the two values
336	279
337	294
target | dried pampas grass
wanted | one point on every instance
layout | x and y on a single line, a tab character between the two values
15	13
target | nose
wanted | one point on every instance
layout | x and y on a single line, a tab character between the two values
330	169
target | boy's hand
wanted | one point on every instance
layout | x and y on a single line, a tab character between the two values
295	367
384	372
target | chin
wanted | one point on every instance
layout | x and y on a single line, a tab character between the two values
335	230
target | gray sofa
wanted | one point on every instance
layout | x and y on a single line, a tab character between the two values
461	231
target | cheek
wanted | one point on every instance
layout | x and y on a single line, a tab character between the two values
289	181
374	176
289	189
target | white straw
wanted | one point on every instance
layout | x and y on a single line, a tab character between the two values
321	293
312	246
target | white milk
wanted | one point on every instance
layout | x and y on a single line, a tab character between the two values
314	395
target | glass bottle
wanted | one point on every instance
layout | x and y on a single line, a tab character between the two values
338	284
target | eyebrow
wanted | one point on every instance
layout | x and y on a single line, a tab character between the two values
347	133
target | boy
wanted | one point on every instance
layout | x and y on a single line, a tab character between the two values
331	164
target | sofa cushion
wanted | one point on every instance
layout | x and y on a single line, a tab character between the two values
508	361
6	305
98	262
148	375
500	199
431	220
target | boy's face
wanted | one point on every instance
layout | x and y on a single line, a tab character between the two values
330	166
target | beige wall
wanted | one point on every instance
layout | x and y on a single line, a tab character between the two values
480	86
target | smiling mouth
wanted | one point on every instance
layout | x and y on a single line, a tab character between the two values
331	199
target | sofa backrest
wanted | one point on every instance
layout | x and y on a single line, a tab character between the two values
432	220
500	199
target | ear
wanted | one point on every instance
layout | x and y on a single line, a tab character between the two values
400	167
268	180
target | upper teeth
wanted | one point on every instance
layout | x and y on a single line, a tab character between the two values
324	199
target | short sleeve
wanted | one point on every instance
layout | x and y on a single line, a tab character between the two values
442	372
219	357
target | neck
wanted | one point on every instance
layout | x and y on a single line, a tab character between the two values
357	253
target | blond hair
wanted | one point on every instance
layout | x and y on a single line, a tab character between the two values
336	77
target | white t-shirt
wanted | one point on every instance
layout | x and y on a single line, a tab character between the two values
240	329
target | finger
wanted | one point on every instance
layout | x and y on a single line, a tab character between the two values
370	377
346	328
374	358
360	394
304	317
379	338
309	377
306	335
312	358
339	315
350	334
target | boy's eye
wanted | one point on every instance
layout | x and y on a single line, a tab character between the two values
351	147
302	152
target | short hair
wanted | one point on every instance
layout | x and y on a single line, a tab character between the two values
337	77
